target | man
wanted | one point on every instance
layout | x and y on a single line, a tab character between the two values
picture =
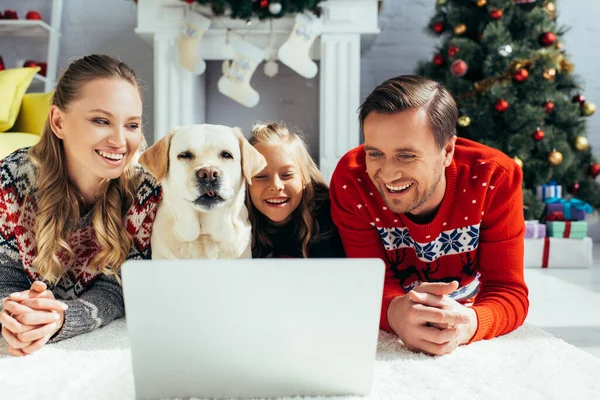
444	213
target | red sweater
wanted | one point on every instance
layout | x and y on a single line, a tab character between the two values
475	238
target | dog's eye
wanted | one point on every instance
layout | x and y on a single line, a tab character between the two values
226	154
185	155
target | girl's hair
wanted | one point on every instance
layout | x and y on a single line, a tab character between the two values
58	200
315	189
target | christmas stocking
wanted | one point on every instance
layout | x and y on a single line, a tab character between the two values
235	82
295	51
194	26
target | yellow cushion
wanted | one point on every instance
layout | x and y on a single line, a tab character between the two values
11	141
13	85
33	114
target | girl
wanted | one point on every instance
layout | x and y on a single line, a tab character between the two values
288	201
73	209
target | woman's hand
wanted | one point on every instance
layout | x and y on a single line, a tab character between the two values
30	318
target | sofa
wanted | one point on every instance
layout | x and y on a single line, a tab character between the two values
22	115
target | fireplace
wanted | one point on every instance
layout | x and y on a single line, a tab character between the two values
180	96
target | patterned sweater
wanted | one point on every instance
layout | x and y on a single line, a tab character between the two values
475	238
94	299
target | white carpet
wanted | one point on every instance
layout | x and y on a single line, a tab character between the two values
527	364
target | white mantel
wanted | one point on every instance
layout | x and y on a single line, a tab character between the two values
179	96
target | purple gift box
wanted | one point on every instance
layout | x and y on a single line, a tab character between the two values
534	230
575	214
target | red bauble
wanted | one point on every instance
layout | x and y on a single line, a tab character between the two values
501	105
452	50
10	14
264	3
2	66
496	14
189	1
459	68
548	107
33	15
521	75
438	27
538	135
547	39
30	64
594	170
43	68
438	60
578	98
574	188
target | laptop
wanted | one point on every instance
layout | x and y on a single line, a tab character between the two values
253	328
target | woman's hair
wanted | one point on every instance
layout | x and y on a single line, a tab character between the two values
315	189
58	200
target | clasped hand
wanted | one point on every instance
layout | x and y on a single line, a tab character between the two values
429	321
30	318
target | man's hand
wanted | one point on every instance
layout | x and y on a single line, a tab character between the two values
30	318
415	318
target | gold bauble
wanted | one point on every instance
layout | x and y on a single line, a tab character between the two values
550	74
441	2
588	108
481	3
558	45
581	143
516	66
555	157
518	161
464	121
550	7
460	29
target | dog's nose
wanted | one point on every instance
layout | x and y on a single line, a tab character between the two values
208	174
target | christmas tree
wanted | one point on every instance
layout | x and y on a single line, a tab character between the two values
514	85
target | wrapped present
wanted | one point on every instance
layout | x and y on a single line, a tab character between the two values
567	229
548	191
533	229
573	209
558	253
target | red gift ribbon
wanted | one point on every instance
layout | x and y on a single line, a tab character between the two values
567	232
546	255
555	216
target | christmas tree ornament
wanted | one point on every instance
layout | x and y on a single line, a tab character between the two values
505	50
564	66
452	50
521	75
501	105
558	45
588	108
496	14
547	39
464	121
235	82
555	157
550	7
33	15
548	107
275	8
10	14
2	66
438	27
594	170
263	3
271	68
459	68
581	143
188	42
481	3
549	74
460	29
538	135
441	2
295	51
574	188
438	60
518	161
578	98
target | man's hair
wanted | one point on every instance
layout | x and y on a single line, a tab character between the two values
407	92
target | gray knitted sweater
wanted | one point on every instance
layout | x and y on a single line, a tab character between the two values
94	299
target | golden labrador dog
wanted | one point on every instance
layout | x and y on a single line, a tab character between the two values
203	171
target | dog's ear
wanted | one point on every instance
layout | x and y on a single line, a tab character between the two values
252	161
156	158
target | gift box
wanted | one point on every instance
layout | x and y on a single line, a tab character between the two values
533	229
548	191
558	253
573	209
567	229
